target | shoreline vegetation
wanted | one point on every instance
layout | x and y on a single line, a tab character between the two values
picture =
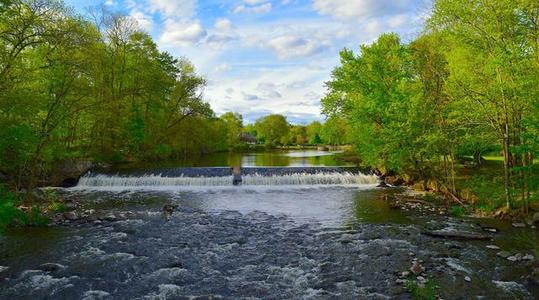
432	108
77	92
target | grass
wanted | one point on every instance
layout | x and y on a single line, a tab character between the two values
7	208
483	186
10	213
428	291
457	211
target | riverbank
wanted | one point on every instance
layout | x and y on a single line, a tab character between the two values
478	192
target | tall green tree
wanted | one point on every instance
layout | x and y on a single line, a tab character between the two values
493	66
335	131
272	129
234	125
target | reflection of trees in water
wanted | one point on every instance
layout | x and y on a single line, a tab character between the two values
371	208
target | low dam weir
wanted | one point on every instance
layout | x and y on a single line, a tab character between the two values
222	176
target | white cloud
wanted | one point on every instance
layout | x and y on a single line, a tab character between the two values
222	67
219	41
223	24
173	8
269	90
254	2
248	59
182	34
144	21
360	9
249	97
290	46
256	9
109	3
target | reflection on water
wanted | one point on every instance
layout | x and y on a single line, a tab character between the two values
371	208
274	158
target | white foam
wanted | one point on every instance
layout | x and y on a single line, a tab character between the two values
95	294
159	182
451	262
169	272
511	286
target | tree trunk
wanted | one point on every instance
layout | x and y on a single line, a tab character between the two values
506	163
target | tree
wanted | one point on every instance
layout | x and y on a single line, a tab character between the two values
101	90
234	125
272	129
313	133
334	131
371	91
298	135
494	67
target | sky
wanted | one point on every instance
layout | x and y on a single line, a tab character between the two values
267	56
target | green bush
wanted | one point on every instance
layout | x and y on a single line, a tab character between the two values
55	203
8	211
10	214
457	211
57	207
422	292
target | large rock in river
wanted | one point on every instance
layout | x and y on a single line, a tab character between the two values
67	173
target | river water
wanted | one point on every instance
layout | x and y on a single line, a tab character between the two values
325	237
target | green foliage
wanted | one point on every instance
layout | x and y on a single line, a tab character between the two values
55	203
34	217
7	208
234	128
457	211
467	86
428	291
334	131
70	89
272	130
313	133
57	207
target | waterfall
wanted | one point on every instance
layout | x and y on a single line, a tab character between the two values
152	180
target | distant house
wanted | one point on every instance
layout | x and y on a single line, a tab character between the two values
248	138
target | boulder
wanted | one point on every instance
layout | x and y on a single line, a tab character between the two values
67	173
503	254
393	180
51	267
71	216
535	218
110	217
405	274
69	182
416	268
71	205
528	257
382	184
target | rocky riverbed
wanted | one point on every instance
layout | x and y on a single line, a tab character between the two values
330	242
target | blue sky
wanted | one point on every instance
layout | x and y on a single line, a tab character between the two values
267	56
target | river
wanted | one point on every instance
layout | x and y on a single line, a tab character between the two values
279	235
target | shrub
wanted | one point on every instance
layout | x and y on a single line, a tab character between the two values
457	211
7	208
422	292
